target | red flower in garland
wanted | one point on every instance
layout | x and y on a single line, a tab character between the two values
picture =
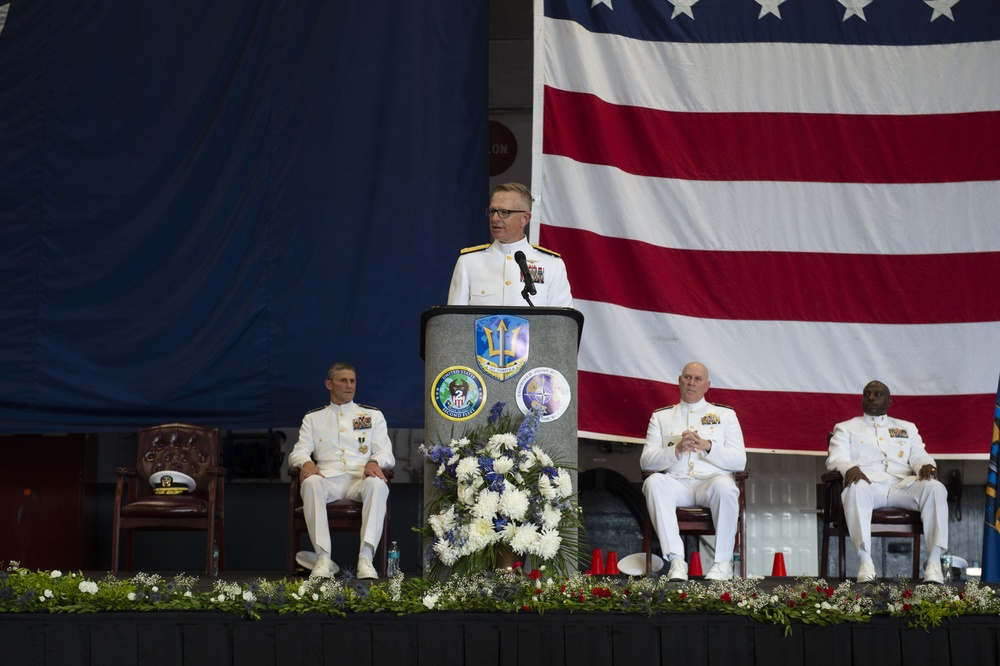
907	594
535	574
906	608
725	598
829	592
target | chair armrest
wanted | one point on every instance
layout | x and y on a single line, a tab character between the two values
125	471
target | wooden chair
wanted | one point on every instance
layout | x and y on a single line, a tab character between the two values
697	520
886	522
342	515
191	450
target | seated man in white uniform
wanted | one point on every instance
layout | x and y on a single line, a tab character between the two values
489	275
342	450
884	463
696	446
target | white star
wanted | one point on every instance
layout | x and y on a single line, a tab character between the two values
769	7
855	8
602	2
941	8
682	7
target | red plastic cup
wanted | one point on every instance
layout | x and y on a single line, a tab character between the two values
611	568
779	565
597	562
694	564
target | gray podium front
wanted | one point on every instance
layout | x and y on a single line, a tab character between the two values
475	357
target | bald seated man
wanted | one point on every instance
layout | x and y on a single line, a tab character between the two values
695	446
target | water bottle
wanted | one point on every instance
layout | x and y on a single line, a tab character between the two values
946	567
393	567
215	559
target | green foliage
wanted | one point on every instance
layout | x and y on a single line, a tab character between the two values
807	601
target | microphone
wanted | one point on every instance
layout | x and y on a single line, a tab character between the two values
522	263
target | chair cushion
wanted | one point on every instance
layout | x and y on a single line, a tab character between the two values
177	506
340	509
895	516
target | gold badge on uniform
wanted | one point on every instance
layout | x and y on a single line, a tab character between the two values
899	453
710	419
363	448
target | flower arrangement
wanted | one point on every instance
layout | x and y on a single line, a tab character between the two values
806	601
501	495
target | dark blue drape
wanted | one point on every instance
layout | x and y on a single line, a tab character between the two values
203	205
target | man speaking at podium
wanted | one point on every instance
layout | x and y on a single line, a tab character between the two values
493	274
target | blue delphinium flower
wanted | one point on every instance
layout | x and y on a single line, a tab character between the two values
495	412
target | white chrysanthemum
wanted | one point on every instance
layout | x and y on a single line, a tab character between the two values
542	457
550	517
545	488
431	600
442	522
526	461
481	534
524	539
514	503
486	505
565	483
467	470
508	532
547	545
503	464
454	459
504	440
447	553
467	493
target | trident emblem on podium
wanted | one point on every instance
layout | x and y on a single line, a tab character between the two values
502	345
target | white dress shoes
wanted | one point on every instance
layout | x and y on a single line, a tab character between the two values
678	569
324	568
366	570
933	573
720	571
866	572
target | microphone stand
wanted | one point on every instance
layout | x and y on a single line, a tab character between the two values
524	295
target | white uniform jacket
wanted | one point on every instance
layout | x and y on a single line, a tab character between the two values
713	422
881	446
341	439
488	275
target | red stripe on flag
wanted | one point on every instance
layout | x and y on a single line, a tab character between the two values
779	286
787	421
807	147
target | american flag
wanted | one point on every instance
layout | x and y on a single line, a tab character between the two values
802	194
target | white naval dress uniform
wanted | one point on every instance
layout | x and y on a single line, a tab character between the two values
341	440
694	478
890	452
488	275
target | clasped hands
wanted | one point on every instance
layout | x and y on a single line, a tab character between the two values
690	441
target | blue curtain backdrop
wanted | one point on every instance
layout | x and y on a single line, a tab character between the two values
204	204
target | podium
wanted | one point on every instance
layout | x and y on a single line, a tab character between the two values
475	357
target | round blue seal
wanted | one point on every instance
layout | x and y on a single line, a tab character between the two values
458	393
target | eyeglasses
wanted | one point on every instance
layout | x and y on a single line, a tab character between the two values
502	213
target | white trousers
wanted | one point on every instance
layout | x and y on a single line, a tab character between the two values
664	493
929	497
317	490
